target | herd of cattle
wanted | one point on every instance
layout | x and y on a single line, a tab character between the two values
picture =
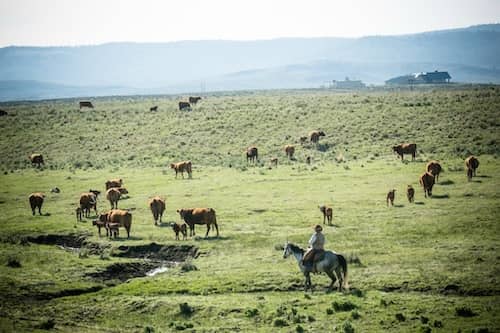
115	218
182	105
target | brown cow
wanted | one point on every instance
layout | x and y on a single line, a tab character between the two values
315	135
36	201
327	214
121	217
289	151
434	168
36	159
194	100
157	206
86	104
194	216
117	182
113	195
252	154
471	163
180	228
410	193
184	105
88	200
181	167
405	148
390	197
427	182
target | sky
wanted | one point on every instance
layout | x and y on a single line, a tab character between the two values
87	22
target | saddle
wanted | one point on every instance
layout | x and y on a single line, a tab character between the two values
311	260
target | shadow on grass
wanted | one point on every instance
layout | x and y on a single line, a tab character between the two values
440	196
211	238
398	205
476	181
124	237
447	182
419	203
483	176
165	224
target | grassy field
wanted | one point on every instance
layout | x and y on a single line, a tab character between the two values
428	266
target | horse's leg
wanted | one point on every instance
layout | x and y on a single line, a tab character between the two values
307	283
340	275
331	275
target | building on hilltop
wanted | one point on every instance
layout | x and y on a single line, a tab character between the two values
347	84
421	78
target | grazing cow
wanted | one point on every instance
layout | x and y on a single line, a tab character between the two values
427	182
184	105
153	108
114	183
289	151
36	159
410	193
327	214
113	219
113	195
181	167
405	148
194	100
315	135
252	154
274	161
86	104
157	206
78	212
472	163
3	113
194	216
180	228
36	201
390	197
88	200
434	168
308	159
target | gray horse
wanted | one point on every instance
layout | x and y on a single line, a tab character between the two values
333	264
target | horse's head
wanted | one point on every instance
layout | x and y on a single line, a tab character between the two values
286	250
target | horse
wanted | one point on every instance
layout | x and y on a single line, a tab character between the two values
333	264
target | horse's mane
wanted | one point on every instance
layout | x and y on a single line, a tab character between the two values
295	248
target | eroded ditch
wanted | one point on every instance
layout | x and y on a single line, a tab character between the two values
150	259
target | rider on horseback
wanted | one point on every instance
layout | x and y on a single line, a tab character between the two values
316	248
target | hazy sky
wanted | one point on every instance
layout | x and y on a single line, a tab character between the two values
81	22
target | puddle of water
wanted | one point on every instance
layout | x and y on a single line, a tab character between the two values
157	270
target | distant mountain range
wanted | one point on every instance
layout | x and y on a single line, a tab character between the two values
468	54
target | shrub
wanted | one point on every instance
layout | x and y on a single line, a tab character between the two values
251	313
299	329
185	309
347	327
464	312
187	267
355	315
13	262
400	317
344	306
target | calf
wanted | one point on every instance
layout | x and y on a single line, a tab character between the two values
180	228
390	197
181	167
405	148
36	201
410	193
327	214
274	161
157	206
315	135
289	151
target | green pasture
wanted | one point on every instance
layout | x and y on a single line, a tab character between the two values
428	266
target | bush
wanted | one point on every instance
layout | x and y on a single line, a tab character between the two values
344	306
185	309
400	317
279	322
347	327
464	312
13	262
251	313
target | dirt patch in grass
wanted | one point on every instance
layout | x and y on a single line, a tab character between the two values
71	241
158	252
123	271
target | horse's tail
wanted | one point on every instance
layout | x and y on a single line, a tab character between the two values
343	263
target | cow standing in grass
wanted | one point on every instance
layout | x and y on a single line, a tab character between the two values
194	100
36	159
180	228
427	182
194	216
252	154
289	151
113	195
434	168
112	220
327	214
36	201
315	135
157	206
406	148
471	163
88	201
117	182
181	167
